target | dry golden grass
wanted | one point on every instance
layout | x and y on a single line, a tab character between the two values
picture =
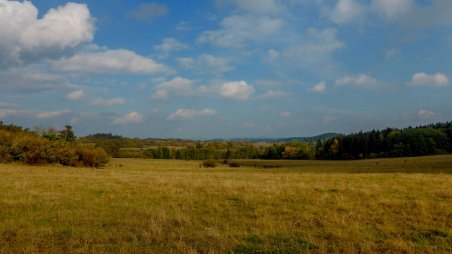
150	206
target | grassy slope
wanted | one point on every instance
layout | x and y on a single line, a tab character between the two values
136	206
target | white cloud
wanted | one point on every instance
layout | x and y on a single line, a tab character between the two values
236	90
52	114
312	51
29	80
424	79
361	80
186	62
271	94
170	45
237	30
133	117
178	85
75	95
415	15
185	114
319	88
426	114
108	103
119	61
207	63
214	64
392	9
347	11
25	37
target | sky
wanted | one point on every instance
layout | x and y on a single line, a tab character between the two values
225	68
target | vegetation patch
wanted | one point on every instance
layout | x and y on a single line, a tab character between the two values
209	164
48	147
277	243
431	235
234	164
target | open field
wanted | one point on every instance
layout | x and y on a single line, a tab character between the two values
154	206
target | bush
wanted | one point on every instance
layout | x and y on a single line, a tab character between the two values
23	146
4	154
209	164
92	157
63	153
234	165
30	149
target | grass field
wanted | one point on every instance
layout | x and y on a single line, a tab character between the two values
151	206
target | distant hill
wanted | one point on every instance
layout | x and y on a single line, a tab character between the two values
321	137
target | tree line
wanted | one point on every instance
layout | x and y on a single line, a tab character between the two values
391	142
61	146
419	141
53	146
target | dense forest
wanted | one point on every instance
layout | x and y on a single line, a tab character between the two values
53	146
423	140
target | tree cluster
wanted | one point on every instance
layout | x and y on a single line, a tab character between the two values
423	140
57	147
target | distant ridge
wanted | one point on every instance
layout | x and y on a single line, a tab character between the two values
322	137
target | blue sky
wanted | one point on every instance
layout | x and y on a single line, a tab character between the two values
225	68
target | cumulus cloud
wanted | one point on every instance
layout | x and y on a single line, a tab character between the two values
149	11
415	15
312	51
361	80
29	80
170	45
238	29
108	102
133	117
52	114
426	114
236	90
119	61
319	87
424	79
392	9
347	11
185	114
207	63
178	86
75	95
25	36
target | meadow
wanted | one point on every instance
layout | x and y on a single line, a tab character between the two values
165	206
